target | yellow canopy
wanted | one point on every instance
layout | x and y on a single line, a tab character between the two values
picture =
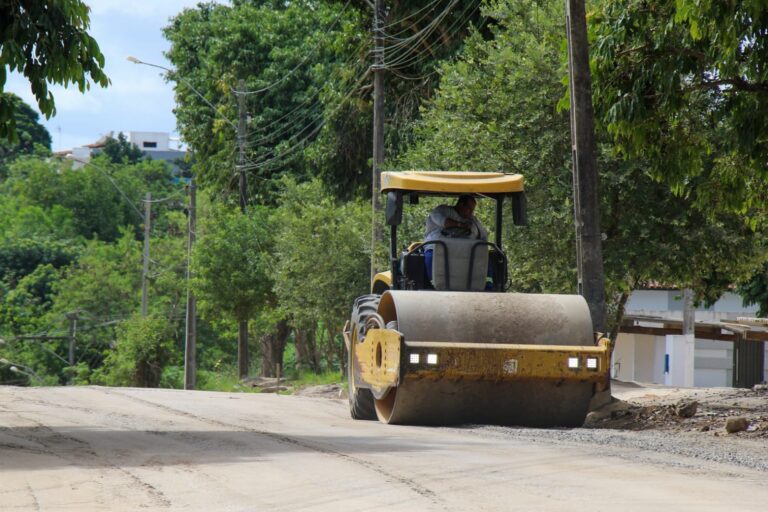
441	182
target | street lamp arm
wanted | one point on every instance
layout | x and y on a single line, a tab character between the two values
186	82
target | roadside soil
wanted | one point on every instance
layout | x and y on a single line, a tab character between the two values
704	411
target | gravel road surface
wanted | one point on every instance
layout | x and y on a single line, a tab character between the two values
92	448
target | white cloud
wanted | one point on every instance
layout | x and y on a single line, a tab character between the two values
146	9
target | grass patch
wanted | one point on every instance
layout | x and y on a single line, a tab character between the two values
305	379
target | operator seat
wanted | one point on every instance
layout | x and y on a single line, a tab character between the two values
461	264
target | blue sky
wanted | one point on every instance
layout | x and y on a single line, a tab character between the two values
139	99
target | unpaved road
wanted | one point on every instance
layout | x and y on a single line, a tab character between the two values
91	448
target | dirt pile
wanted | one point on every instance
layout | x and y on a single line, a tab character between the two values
709	411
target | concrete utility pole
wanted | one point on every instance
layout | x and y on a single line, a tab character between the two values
378	127
242	338
689	313
190	339
145	268
589	252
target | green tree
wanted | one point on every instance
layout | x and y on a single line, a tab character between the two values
32	137
755	291
143	348
283	53
322	261
120	151
232	267
23	309
47	41
102	197
496	109
682	85
20	257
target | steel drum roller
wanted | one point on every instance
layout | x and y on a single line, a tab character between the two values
487	318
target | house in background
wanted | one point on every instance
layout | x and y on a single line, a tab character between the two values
155	145
649	353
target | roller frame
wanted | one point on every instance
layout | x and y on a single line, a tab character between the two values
384	361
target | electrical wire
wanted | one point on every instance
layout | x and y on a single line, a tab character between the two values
304	112
300	64
262	163
168	198
404	59
106	175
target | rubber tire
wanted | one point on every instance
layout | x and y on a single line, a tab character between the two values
360	400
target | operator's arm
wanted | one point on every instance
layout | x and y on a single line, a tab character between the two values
482	232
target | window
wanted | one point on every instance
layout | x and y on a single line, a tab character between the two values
147	144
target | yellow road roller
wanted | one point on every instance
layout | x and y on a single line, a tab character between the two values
447	344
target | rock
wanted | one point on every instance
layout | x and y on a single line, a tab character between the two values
601	399
322	391
273	389
760	387
705	428
686	408
736	424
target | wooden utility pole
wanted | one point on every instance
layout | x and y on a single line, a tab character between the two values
190	338
241	128
589	252
72	317
378	128
242	337
145	267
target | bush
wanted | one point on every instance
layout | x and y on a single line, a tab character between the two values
144	348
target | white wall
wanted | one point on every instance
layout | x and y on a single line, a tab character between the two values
641	357
160	139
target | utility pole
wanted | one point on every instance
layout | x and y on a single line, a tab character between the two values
72	317
145	268
689	313
589	252
242	338
378	127
241	126
190	339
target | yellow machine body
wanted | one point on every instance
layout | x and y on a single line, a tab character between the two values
425	356
458	357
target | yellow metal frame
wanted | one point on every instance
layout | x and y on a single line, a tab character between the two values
381	279
496	362
378	358
452	182
383	360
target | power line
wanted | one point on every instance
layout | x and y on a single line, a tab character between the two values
300	64
106	175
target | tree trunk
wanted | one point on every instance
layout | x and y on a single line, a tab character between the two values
334	351
306	347
620	308
273	347
242	349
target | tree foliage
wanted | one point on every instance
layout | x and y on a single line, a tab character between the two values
143	348
496	109
32	137
120	151
232	263
682	84
321	257
47	41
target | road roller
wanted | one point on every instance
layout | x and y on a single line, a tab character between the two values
450	344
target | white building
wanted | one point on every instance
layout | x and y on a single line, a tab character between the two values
673	359
155	145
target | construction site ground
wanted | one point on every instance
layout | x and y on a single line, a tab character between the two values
93	448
